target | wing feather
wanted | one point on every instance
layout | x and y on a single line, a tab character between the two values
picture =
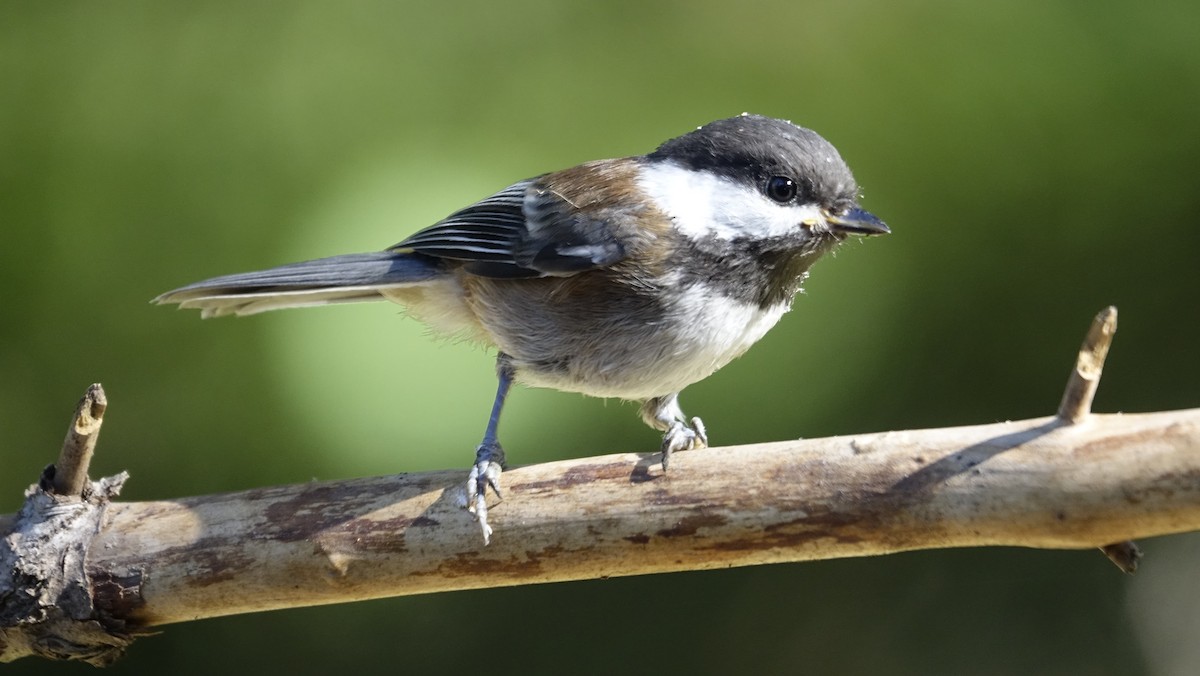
487	230
557	224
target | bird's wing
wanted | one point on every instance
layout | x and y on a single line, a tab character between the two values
553	225
485	231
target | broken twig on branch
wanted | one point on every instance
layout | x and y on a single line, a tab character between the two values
71	470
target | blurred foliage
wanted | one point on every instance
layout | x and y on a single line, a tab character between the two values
1036	161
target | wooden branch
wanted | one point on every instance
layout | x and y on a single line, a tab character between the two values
1126	555
70	472
1034	483
47	599
1076	406
1081	387
1073	480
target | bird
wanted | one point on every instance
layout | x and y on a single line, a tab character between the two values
629	278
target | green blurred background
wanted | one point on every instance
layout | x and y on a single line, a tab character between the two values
1036	161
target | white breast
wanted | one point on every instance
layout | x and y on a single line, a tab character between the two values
711	330
701	333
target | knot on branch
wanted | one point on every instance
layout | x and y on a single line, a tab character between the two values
46	599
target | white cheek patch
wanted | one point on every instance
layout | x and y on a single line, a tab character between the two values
706	205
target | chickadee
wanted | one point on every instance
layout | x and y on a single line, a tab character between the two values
629	278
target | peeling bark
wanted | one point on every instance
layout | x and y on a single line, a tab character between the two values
46	599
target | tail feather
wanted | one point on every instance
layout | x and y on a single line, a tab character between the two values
338	279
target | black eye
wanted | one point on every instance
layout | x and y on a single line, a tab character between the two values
781	189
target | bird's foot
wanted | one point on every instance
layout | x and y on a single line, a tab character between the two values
683	437
489	463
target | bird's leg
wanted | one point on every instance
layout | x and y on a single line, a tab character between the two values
680	434
489	456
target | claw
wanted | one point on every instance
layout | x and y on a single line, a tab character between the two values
485	473
701	434
681	437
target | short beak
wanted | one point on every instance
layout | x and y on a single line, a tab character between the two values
857	222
